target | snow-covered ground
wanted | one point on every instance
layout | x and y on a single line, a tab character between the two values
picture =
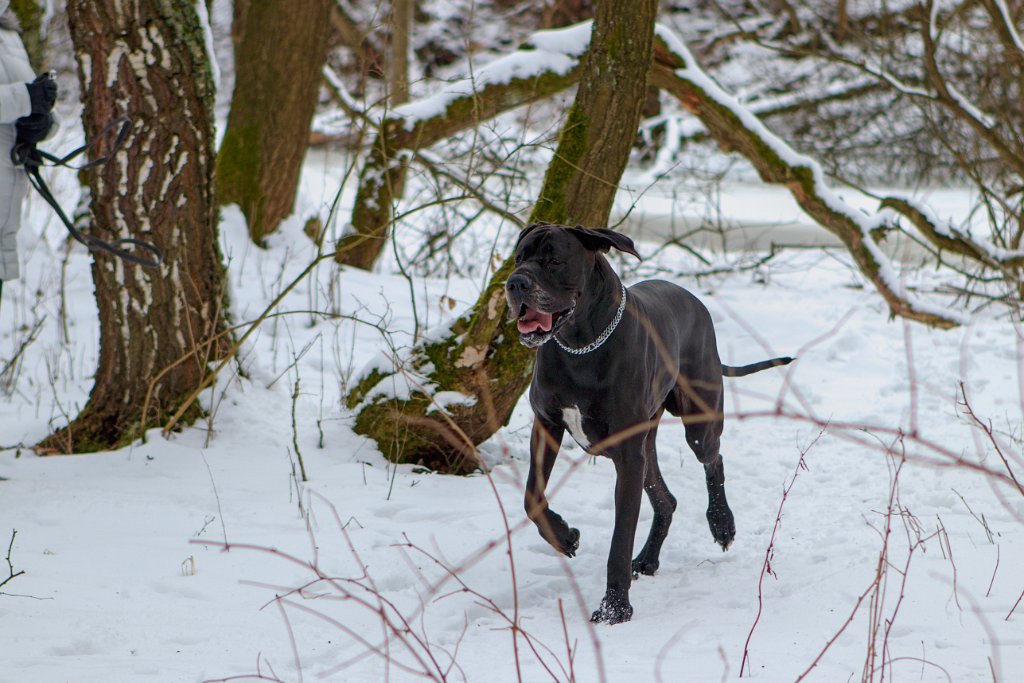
126	577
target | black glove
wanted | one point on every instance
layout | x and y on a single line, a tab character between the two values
43	93
33	128
30	130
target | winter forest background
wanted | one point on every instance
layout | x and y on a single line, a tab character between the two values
300	444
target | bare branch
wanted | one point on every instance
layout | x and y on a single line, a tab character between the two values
735	129
11	574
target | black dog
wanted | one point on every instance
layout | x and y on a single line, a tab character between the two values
610	361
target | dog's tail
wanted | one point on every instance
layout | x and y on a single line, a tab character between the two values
743	370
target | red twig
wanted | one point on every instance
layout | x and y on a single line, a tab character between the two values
766	566
663	652
986	428
291	639
1015	605
879	623
943	537
923	662
398	627
570	653
835	636
994	570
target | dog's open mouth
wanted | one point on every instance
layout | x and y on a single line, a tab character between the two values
536	327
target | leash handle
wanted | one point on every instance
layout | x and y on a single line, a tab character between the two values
32	159
93	243
124	125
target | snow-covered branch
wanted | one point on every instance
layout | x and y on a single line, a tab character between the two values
949	237
1004	25
736	128
548	63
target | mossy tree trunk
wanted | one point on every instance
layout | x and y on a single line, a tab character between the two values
147	59
482	357
280	49
601	126
382	176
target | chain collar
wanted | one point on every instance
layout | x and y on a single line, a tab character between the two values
604	335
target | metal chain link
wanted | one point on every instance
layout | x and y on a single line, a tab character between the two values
604	335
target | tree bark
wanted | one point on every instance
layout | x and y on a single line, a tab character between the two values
147	59
398	69
280	48
601	126
482	357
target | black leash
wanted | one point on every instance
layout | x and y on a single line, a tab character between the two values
27	155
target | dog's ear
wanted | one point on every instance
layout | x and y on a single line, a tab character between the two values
603	239
527	230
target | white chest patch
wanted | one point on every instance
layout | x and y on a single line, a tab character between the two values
574	423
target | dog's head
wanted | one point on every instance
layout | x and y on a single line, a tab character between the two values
553	263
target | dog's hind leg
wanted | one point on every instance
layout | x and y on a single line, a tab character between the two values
720	518
544	444
703	420
664	504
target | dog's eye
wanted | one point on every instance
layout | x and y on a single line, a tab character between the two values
555	262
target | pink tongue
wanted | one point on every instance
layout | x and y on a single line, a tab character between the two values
534	320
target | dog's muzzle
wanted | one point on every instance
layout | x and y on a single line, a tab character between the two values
535	319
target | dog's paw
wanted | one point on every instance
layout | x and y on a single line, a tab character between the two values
569	542
722	525
559	535
642	565
614	609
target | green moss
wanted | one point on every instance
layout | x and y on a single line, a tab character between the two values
91	432
238	166
512	362
480	327
421	439
572	143
362	387
183	20
398	442
371	212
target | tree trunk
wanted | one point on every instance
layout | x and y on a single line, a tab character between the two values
280	48
147	59
482	357
398	69
599	131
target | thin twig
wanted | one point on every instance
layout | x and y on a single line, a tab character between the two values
766	566
295	434
10	567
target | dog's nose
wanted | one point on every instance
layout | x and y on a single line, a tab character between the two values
517	282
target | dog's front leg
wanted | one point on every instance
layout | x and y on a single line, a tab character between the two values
544	444
629	484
